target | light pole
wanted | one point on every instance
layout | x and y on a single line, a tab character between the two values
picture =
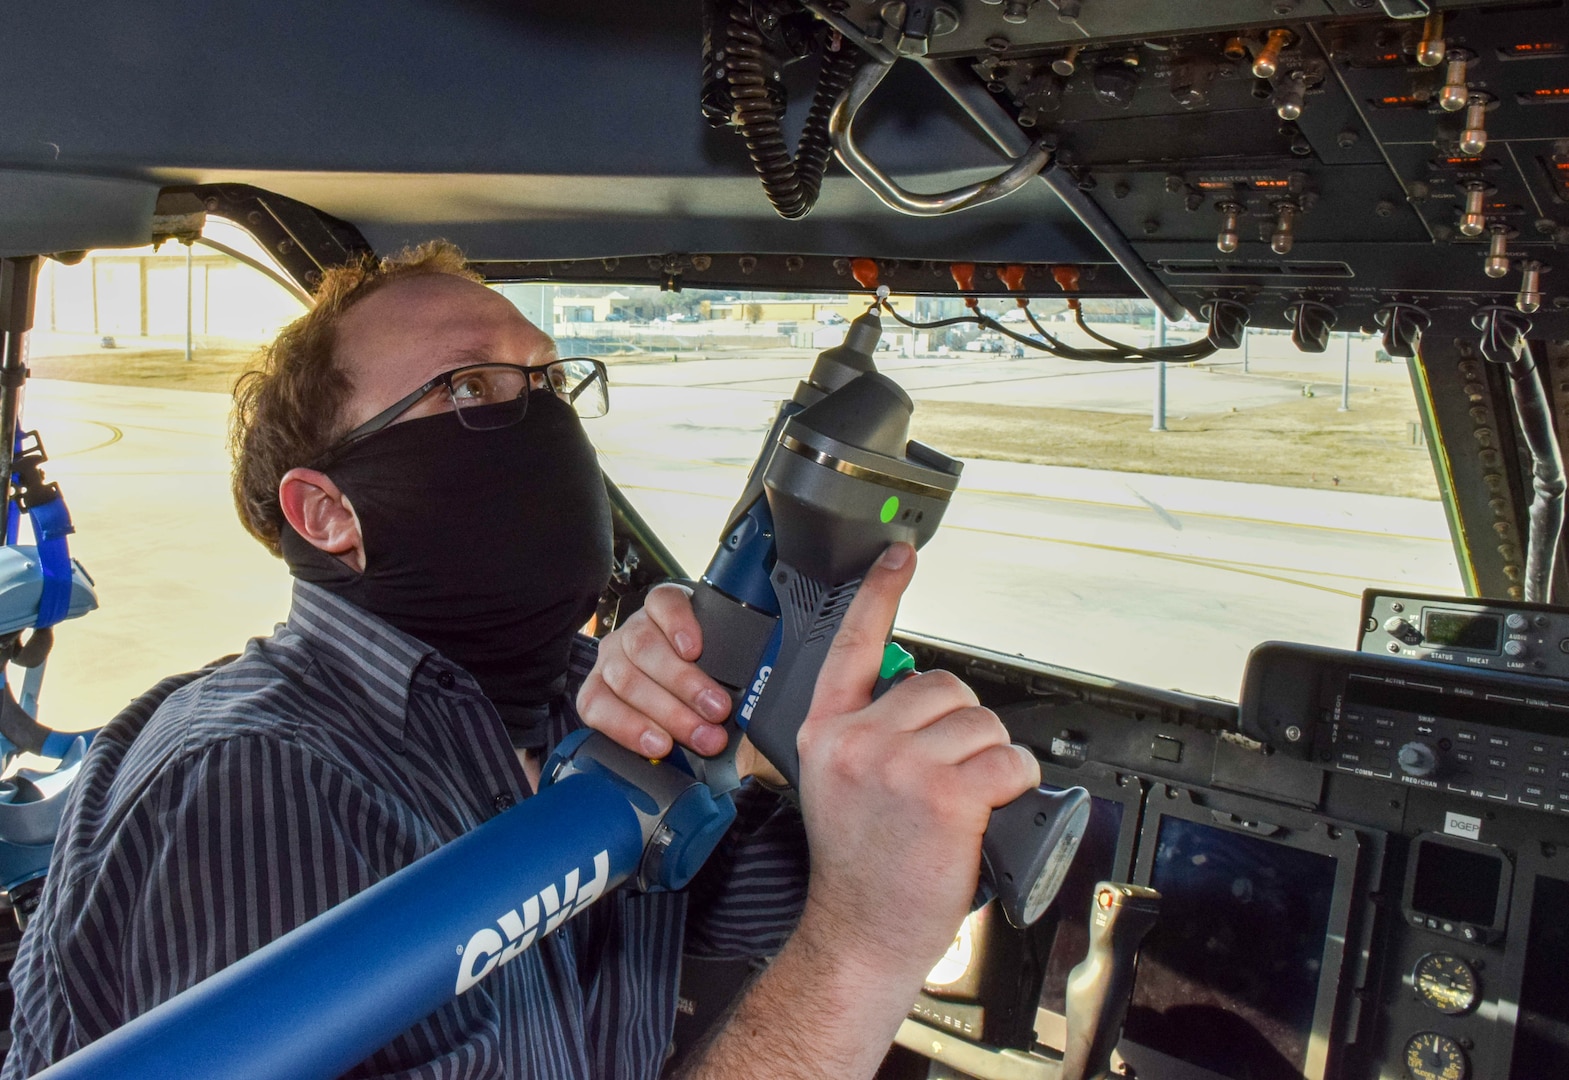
189	273
1345	380
1158	422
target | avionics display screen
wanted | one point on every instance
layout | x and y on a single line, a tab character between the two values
958	974
1455	884
1458	630
1095	862
1540	1049
1228	978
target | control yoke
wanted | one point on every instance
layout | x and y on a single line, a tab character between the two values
1096	1001
1100	987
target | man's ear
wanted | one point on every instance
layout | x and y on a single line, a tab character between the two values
321	513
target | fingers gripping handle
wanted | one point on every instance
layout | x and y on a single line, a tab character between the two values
734	637
1029	844
1099	988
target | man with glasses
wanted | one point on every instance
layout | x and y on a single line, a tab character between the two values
412	449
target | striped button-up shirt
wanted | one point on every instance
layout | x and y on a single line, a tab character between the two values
323	759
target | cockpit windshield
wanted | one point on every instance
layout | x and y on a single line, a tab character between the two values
1187	513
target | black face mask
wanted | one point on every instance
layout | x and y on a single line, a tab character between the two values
490	546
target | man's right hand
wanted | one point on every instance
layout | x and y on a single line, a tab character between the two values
896	794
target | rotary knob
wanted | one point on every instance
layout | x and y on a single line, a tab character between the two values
1516	649
1397	627
1517	622
1417	759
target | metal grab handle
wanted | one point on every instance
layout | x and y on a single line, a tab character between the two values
883	186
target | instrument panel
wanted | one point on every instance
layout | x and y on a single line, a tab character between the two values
1529	639
1350	154
1321	919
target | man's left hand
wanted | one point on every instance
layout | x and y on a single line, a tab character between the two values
646	688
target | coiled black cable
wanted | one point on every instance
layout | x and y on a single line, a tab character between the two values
815	149
748	70
791	182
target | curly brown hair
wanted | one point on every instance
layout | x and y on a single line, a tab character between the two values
286	407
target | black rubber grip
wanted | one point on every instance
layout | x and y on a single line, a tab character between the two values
1099	987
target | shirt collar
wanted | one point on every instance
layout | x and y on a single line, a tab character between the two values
375	659
377	662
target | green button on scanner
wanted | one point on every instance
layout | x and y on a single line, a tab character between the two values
896	663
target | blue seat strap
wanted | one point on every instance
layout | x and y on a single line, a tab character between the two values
51	525
13	512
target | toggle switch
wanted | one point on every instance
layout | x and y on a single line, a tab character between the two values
1190	82
1267	62
1529	297
1472	219
1016	11
1042	94
1473	140
1455	93
1284	236
1497	263
1430	50
1289	96
1230	234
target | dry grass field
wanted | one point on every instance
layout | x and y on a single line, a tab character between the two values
211	369
1303	443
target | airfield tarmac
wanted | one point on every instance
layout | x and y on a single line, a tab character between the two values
1162	580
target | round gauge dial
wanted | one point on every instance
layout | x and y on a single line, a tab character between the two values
1446	983
1431	1056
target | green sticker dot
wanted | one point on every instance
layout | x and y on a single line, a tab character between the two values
890	508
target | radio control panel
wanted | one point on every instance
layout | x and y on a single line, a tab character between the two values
1491	635
1450	737
1491	736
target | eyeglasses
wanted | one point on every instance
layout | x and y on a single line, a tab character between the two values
490	396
